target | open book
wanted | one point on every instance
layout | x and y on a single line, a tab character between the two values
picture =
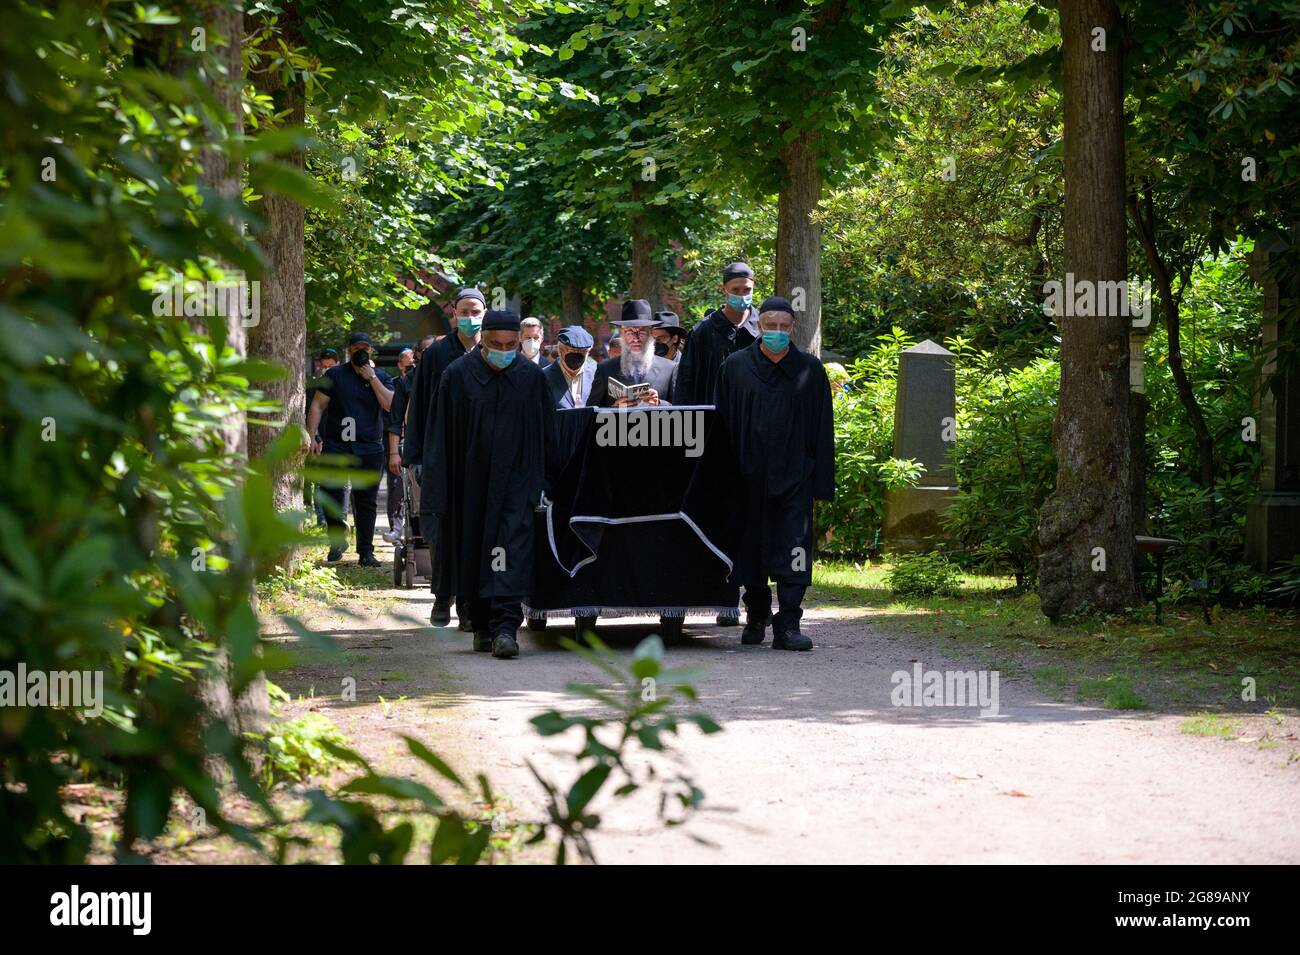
637	392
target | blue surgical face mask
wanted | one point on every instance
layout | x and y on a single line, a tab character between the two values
776	341
469	326
739	302
501	358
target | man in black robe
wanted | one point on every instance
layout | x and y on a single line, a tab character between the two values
775	403
417	449
718	335
487	469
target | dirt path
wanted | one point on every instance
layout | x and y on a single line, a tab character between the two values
815	764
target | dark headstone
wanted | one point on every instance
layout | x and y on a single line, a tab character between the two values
924	427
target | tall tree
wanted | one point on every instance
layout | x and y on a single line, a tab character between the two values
775	99
1085	527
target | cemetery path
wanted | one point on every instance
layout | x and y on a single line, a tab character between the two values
815	763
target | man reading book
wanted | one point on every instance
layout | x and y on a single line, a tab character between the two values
637	366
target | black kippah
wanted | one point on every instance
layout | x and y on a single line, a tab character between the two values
501	320
775	303
736	270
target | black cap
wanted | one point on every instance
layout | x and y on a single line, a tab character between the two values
775	303
637	313
359	338
469	292
501	320
736	270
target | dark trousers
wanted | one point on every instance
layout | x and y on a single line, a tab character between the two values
394	498
365	504
789	600
497	614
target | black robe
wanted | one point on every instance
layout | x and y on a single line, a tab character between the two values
708	345
775	420
487	469
420	397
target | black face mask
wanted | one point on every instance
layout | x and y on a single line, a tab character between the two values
661	349
575	360
360	357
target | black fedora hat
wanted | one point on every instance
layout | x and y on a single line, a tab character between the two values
669	322
637	313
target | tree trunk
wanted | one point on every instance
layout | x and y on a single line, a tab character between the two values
571	302
224	66
799	239
1086	527
647	275
280	336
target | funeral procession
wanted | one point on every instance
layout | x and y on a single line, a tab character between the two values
675	477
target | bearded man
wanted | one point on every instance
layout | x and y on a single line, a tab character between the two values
638	364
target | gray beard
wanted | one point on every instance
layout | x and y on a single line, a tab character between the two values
630	365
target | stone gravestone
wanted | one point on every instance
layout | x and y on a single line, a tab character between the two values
924	416
1273	517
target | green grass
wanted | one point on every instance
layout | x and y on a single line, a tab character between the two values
1180	662
1115	692
1209	724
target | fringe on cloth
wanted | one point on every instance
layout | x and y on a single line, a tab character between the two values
611	612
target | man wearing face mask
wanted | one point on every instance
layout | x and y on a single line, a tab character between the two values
353	399
775	403
492	428
417	449
570	378
669	336
718	335
530	341
638	362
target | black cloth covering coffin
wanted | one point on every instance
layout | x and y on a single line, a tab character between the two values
614	540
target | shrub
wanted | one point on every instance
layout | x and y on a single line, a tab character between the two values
865	468
923	575
1003	458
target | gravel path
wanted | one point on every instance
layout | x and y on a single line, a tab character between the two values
815	764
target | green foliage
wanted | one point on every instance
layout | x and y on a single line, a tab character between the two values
865	468
923	575
1002	457
129	534
634	713
296	749
1220	341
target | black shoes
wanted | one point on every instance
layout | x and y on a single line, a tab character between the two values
465	625
789	638
440	615
672	631
334	556
482	641
369	560
504	646
755	631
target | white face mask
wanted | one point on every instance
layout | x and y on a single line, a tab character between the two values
531	346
